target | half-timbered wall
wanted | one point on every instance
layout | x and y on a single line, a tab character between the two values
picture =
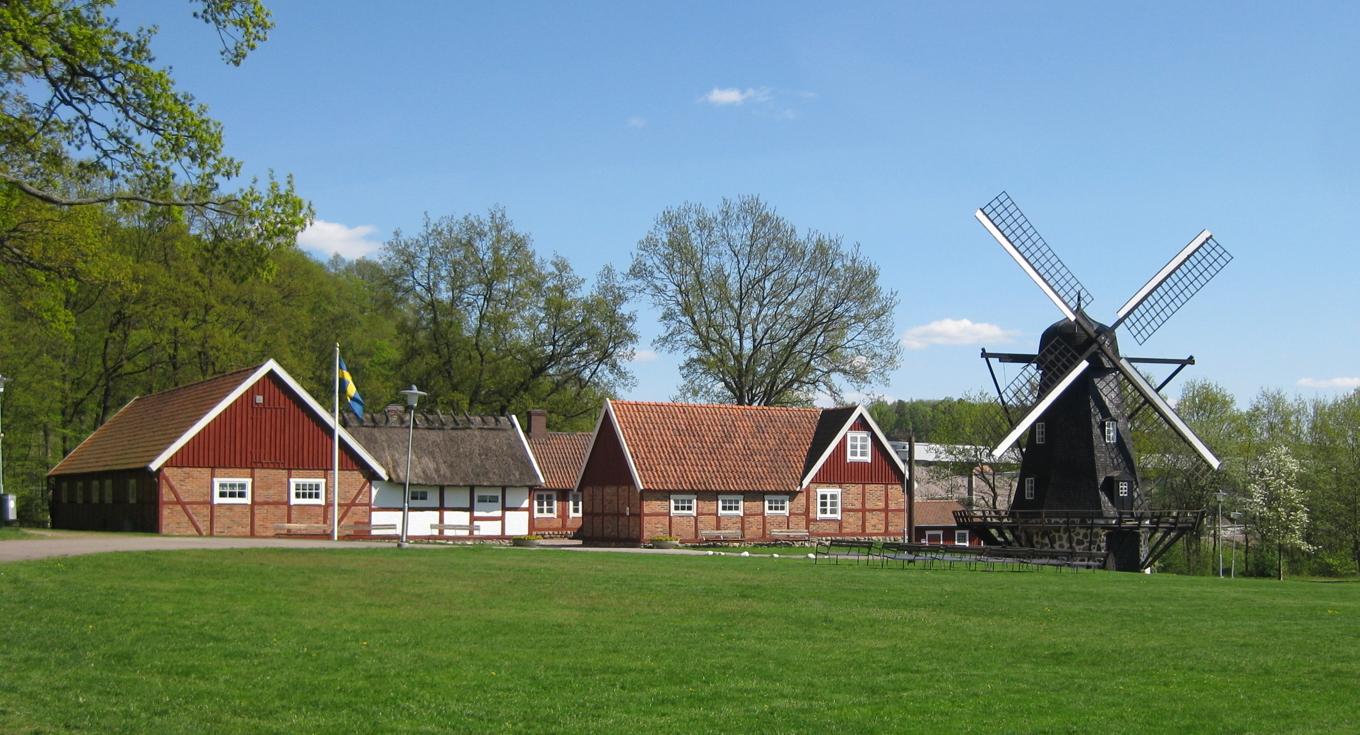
187	507
506	516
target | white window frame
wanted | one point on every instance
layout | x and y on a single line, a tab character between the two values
961	534
1111	431
783	500
548	509
828	493
1029	488
939	537
1123	488
217	498
727	499
690	499
861	453
574	504
1040	433
293	498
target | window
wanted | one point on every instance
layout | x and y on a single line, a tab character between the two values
1111	430
682	505
776	505
306	491
828	503
1123	488
1029	488
422	496
545	503
857	446
729	505
231	491
960	538
108	491
934	537
80	492
574	505
132	490
1040	433
487	502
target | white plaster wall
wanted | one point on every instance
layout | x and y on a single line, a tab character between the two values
516	522
389	494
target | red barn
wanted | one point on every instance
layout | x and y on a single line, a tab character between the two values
750	473
242	454
557	504
935	524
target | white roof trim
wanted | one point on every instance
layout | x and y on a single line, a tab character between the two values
238	391
527	450
591	447
873	426
623	444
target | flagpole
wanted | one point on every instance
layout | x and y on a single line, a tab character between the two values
335	473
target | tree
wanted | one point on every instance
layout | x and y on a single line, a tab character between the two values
1275	504
496	328
86	118
762	315
967	430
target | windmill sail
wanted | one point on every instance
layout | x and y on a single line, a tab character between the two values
1167	291
1009	226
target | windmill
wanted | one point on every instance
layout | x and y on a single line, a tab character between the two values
1077	401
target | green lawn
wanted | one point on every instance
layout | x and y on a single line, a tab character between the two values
492	639
8	533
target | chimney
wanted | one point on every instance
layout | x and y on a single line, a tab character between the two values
538	422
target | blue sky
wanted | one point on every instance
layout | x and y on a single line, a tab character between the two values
1121	130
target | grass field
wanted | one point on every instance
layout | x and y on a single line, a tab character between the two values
492	639
13	532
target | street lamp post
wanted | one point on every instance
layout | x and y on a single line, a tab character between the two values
4	501
412	396
1218	533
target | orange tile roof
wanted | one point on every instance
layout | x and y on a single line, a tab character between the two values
560	456
148	425
935	512
686	446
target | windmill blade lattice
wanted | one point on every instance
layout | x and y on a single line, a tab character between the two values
1172	293
1012	223
1166	461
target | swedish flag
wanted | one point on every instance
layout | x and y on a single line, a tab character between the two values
350	391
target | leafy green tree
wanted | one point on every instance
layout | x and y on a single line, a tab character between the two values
495	328
87	118
761	314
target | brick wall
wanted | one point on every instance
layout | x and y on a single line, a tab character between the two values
186	506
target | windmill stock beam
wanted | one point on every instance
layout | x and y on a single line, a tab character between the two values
1025	358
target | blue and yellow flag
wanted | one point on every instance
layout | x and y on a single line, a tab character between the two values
349	390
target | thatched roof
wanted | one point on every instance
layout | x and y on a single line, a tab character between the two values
448	449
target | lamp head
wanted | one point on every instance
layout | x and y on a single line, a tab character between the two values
412	396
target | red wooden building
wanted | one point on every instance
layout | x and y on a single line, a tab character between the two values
934	522
557	504
752	473
240	454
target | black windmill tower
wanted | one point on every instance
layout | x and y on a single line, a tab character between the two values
1077	403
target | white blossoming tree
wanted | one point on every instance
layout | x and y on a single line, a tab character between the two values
1275	503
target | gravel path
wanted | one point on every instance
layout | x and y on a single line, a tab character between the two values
76	543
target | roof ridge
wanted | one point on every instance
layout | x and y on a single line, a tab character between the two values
737	406
249	370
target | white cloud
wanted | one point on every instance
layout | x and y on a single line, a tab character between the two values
329	238
636	122
644	356
954	332
1330	383
723	96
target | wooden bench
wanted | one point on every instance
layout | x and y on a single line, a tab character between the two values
799	534
470	529
308	528
720	535
370	528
